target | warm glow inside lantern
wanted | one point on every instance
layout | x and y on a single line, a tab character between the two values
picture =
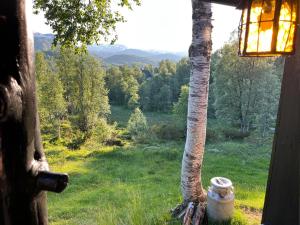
268	27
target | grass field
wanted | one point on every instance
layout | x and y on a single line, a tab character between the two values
139	184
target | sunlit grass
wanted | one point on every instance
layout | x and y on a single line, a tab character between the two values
138	184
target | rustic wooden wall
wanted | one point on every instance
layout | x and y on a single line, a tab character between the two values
283	196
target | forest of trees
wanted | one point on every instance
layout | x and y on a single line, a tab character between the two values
75	92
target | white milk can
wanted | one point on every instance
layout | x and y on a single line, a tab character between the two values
220	199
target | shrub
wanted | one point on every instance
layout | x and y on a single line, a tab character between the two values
77	139
103	134
137	126
168	131
212	135
234	134
102	131
69	136
73	138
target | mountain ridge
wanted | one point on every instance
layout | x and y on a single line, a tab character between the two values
114	54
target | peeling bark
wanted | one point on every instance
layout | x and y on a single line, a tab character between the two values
200	54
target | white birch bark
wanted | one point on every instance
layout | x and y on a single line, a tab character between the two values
200	54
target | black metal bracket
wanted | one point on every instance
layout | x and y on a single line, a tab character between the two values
54	182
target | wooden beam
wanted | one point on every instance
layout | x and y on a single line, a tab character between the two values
235	3
283	188
24	175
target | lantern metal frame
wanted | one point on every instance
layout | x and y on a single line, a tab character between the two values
273	52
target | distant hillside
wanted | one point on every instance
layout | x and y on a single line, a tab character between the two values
113	54
104	51
128	60
169	56
42	42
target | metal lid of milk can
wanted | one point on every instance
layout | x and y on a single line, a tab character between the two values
221	182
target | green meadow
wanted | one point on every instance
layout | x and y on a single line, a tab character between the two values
138	184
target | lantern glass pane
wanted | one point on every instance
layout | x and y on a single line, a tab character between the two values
286	26
286	11
290	43
283	35
268	10
265	36
256	10
261	25
252	45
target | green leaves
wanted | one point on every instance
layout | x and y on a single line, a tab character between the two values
71	87
137	126
246	89
52	105
78	23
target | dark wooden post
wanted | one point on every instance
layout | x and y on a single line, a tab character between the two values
24	175
283	189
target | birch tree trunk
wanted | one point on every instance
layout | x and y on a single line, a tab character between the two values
200	54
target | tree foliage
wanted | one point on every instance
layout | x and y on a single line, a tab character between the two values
76	90
83	79
161	91
52	105
137	125
123	85
71	87
181	107
82	22
246	89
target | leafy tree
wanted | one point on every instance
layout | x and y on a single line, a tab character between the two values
152	89
157	93
114	84
84	88
182	75
91	98
164	99
167	68
146	93
65	65
81	23
180	108
268	106
52	105
162	89
133	101
244	88
123	85
137	125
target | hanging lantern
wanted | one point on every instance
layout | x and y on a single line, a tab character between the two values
268	27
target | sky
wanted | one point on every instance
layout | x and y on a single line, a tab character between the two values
165	25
